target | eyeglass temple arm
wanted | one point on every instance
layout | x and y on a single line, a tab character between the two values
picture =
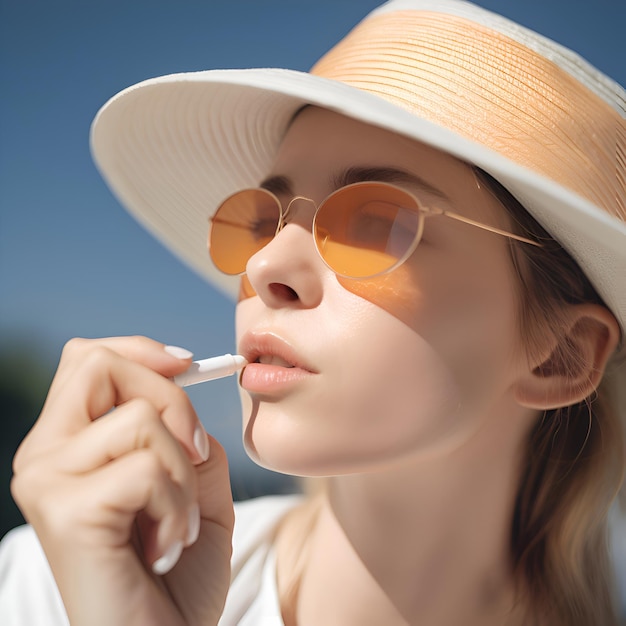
491	229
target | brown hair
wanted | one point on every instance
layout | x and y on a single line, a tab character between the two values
575	461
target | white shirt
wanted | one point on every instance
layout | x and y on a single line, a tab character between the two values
29	595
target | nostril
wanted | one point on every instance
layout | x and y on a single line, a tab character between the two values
282	291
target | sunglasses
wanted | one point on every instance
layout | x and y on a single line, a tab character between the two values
361	230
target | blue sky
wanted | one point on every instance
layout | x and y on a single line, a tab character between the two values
71	261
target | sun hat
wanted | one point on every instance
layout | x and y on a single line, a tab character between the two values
533	114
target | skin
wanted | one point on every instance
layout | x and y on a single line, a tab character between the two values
414	401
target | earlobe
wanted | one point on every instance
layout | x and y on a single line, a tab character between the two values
574	367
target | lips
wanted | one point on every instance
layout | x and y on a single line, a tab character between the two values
273	364
268	348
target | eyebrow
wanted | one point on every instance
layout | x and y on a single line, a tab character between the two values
281	185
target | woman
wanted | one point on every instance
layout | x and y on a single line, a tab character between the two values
400	227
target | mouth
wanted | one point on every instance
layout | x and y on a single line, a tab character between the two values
274	366
270	349
272	359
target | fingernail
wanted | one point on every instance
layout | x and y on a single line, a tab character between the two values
201	442
165	563
193	525
179	353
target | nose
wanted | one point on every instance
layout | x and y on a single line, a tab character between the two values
288	270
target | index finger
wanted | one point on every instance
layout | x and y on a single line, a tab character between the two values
164	359
94	378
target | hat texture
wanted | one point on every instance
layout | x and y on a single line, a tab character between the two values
533	114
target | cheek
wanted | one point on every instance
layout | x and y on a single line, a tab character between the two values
395	397
467	312
397	293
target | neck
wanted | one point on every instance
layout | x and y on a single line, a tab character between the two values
427	542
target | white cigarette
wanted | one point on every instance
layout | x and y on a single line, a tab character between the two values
210	369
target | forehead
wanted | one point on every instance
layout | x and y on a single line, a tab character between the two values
320	134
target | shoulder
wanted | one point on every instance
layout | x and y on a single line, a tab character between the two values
28	593
256	521
252	598
263	512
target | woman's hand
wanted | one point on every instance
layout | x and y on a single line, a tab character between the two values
114	478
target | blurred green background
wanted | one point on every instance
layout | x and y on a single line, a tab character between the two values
23	384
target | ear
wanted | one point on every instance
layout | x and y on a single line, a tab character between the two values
574	366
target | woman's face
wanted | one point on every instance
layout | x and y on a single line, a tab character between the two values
359	375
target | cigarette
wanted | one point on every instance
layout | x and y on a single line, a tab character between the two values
211	369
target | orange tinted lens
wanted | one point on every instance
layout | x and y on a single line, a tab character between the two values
243	224
365	229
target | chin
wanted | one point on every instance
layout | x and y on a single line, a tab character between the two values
298	455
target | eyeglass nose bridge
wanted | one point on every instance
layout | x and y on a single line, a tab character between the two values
283	221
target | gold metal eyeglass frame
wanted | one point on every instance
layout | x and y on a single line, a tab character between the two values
422	210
